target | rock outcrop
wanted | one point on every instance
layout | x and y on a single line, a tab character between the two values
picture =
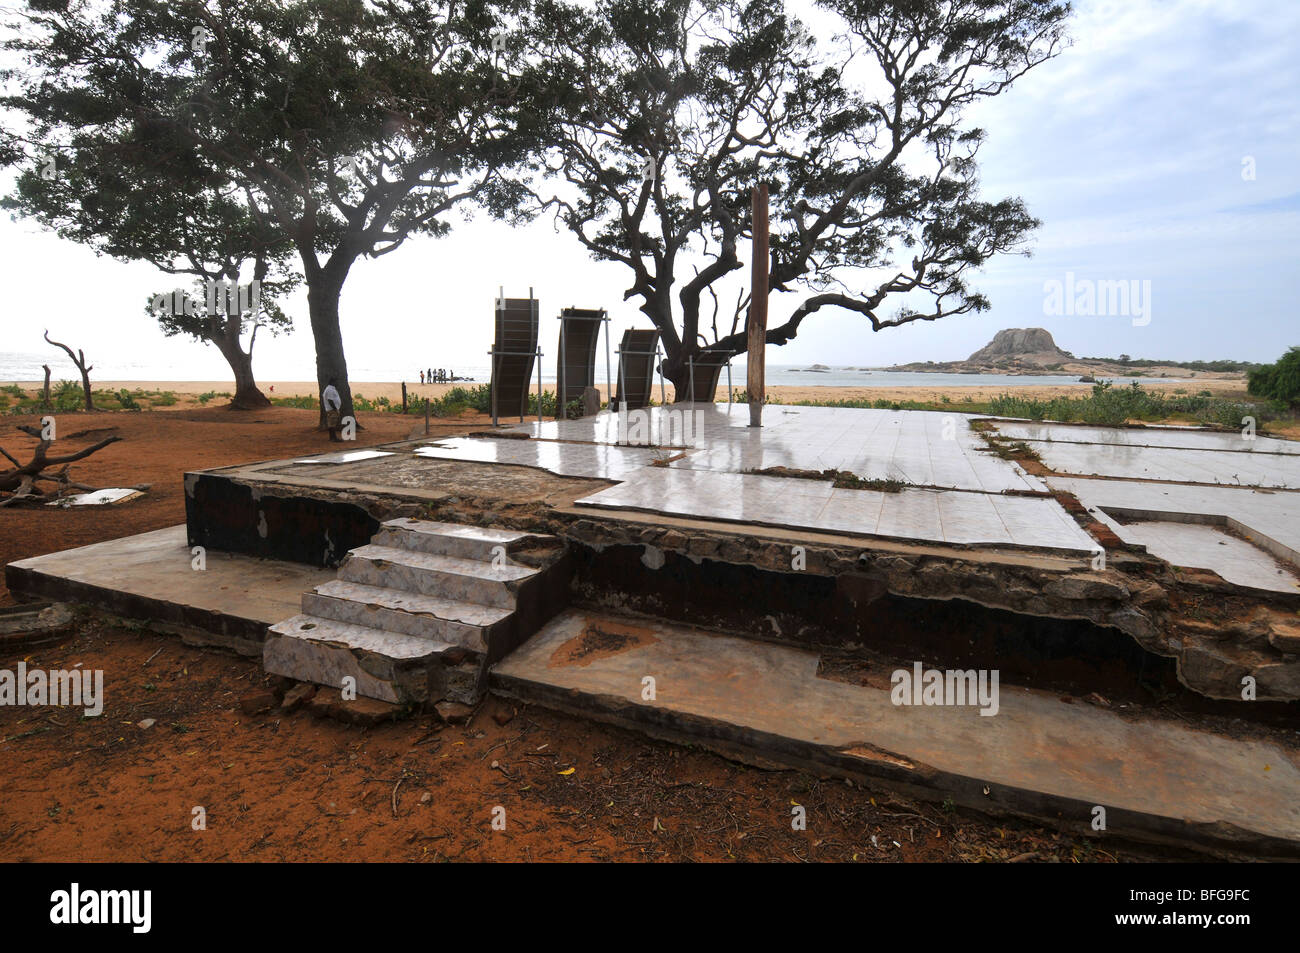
1020	345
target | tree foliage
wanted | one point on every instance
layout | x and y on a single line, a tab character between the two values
335	128
1278	381
675	109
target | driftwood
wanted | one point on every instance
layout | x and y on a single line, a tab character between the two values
20	480
78	358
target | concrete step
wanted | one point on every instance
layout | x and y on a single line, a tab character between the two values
468	624
450	577
386	665
450	539
1033	754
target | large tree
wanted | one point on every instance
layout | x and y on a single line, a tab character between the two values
141	201
344	126
675	109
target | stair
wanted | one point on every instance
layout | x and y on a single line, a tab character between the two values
419	613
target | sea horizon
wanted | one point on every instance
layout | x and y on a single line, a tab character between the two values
27	368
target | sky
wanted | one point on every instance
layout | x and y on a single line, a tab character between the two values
1161	150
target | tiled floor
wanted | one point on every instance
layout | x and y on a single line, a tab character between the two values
1270	519
567	459
914	514
1173	464
1209	547
1148	437
715	448
914	447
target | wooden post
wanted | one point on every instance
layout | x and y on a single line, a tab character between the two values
754	367
426	415
403	397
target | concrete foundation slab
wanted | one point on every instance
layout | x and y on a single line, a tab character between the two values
230	602
1171	464
957	518
1270	518
1209	547
916	447
603	461
1184	437
1036	756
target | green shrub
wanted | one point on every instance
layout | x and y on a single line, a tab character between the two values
478	398
1109	406
68	396
548	404
302	402
1279	381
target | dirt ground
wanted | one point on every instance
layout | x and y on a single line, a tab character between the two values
281	786
294	787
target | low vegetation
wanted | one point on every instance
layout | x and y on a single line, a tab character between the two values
456	401
1106	405
68	397
1112	406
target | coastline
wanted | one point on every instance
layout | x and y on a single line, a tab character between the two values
1219	386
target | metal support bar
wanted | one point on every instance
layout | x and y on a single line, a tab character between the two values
659	366
609	376
493	353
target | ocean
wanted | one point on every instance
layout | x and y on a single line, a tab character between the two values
17	366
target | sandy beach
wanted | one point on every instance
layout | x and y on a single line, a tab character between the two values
1219	386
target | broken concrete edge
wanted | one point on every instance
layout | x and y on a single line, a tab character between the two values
285	696
1265	542
449	673
34	625
915	780
1132	595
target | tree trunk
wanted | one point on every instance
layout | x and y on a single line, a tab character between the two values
85	383
45	392
677	369
674	367
247	395
323	307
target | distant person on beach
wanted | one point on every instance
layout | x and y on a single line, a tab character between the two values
333	405
421	377
431	375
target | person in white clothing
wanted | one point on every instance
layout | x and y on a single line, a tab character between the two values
332	403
